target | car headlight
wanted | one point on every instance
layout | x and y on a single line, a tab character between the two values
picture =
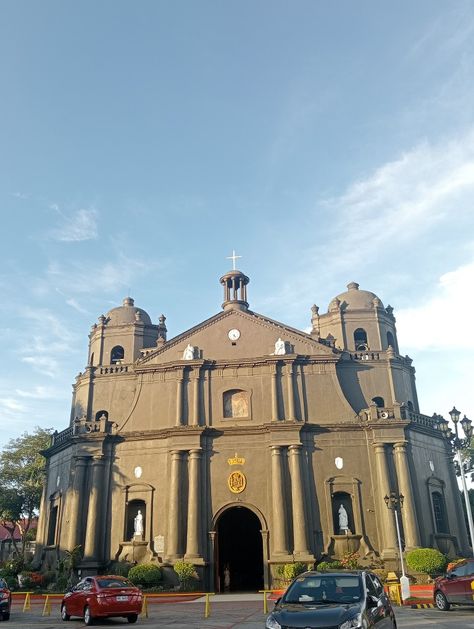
272	623
353	623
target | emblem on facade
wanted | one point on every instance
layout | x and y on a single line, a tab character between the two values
237	482
236	460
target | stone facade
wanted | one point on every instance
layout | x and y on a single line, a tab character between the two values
239	439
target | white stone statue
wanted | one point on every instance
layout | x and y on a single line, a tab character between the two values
188	353
280	348
138	524
343	520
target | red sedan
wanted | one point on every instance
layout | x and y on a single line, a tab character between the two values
102	597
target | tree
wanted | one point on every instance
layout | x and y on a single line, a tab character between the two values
22	476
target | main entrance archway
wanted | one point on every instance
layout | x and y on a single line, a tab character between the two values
239	551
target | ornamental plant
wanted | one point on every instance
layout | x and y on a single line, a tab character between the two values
427	560
186	574
289	571
329	565
146	575
350	561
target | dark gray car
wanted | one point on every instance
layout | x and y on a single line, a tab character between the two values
333	600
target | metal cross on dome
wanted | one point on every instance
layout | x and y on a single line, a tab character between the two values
233	257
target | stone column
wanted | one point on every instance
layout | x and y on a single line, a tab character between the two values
388	534
279	520
174	529
291	392
194	494
76	501
410	524
179	399
275	414
300	545
195	418
93	546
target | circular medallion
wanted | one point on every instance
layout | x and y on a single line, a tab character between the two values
339	462
138	472
236	482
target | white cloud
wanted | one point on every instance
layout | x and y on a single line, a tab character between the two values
39	393
443	321
9	405
46	365
82	225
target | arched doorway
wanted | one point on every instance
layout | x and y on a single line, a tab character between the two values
239	551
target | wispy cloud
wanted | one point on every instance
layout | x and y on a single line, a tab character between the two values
425	326
82	225
40	393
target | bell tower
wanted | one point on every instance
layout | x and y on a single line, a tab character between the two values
235	288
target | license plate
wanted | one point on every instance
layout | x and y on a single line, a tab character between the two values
122	598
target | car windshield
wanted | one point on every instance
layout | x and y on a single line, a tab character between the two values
114	583
324	589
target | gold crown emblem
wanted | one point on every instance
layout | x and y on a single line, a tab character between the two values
236	460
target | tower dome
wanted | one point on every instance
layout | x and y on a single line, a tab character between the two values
127	313
356	299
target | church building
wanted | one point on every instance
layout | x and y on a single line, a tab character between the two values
242	444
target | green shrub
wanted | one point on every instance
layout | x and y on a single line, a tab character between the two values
289	571
121	568
11	581
427	560
329	565
61	584
145	575
186	574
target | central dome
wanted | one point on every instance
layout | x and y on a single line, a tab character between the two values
127	313
355	299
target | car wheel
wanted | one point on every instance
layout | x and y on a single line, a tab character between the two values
64	614
132	618
441	601
88	620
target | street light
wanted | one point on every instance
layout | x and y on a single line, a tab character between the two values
457	444
395	501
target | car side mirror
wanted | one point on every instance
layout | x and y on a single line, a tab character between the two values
372	601
277	601
448	575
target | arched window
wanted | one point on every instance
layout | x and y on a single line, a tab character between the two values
342	513
100	414
133	507
360	340
439	511
379	402
410	405
390	340
236	403
116	354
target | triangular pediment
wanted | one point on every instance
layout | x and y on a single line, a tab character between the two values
237	335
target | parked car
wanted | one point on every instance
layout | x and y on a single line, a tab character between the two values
456	587
102	597
5	600
335	600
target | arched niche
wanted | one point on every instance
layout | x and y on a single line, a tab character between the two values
138	496
342	499
132	510
236	404
117	354
360	340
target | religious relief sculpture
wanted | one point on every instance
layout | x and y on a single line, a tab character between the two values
138	525
236	403
189	353
343	520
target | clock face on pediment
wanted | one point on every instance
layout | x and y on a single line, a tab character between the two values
234	334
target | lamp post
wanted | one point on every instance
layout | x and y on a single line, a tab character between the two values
395	501
457	444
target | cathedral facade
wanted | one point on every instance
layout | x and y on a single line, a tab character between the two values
243	443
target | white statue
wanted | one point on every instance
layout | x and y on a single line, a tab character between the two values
138	524
188	353
343	520
280	348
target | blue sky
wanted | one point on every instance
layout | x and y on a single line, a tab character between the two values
140	142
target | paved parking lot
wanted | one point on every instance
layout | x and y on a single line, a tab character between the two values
227	612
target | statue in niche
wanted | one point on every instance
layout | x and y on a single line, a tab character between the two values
280	347
188	353
138	525
343	520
